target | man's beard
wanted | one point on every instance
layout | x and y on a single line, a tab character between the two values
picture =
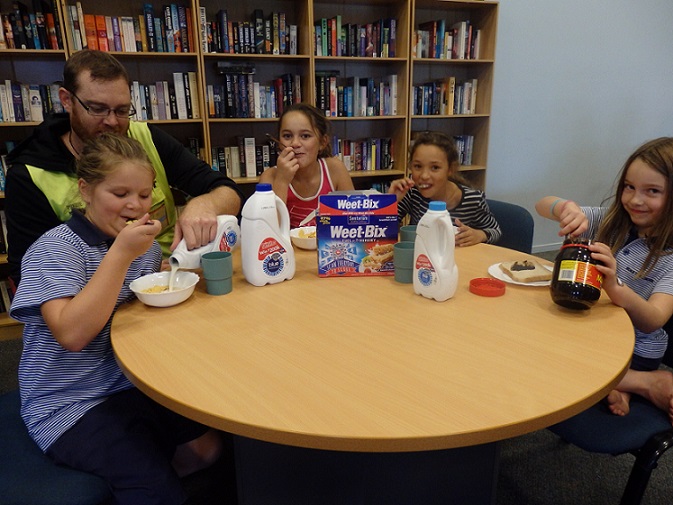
85	135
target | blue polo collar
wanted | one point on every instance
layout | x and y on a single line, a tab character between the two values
86	230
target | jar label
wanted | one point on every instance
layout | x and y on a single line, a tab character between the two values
581	272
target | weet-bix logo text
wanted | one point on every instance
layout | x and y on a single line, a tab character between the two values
364	204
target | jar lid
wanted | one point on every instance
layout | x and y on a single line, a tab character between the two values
485	286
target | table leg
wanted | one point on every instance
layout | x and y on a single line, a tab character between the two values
279	474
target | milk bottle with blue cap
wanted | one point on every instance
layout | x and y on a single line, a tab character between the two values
266	251
226	239
435	270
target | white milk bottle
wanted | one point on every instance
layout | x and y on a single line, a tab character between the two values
266	251
227	237
435	270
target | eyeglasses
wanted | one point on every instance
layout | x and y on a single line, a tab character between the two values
98	111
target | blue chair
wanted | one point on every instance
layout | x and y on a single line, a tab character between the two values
516	223
28	477
645	432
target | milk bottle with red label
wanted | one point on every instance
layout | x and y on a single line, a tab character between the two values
435	270
266	251
226	239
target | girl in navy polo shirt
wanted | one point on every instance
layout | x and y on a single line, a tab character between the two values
77	404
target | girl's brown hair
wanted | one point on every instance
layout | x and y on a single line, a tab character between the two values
319	122
102	154
615	228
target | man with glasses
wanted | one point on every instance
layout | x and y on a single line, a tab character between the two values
41	183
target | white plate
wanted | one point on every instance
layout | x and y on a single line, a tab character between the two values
494	271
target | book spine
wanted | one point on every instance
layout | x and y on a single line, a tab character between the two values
90	31
175	19
188	95
151	39
180	98
80	15
101	33
250	157
168	26
184	34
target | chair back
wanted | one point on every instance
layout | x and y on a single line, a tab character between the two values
668	356
516	224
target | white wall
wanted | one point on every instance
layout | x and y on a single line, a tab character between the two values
578	85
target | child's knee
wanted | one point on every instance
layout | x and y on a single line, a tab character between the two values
209	447
199	453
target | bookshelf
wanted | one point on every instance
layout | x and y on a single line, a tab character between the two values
482	16
307	64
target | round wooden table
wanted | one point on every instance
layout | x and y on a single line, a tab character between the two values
366	365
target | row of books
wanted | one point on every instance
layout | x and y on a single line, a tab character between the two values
247	159
381	187
465	146
355	96
26	28
364	154
444	97
21	102
250	159
434	40
241	96
376	39
258	35
161	100
170	31
4	151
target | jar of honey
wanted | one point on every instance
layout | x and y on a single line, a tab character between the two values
576	282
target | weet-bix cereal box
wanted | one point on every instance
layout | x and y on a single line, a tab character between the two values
356	233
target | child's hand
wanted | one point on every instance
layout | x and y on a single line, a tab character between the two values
572	220
466	236
608	265
136	238
400	187
287	164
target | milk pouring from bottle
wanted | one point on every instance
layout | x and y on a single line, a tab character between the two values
435	270
227	237
266	251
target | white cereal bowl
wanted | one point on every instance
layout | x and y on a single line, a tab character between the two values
304	242
183	287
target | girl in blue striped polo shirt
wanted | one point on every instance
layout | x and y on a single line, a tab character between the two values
634	242
77	404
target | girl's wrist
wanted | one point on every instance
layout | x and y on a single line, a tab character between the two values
554	204
561	203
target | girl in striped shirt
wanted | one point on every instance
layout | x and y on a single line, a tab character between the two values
433	163
634	245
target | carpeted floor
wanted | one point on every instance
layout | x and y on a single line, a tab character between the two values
541	469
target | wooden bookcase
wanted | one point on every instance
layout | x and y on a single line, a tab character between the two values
410	69
482	16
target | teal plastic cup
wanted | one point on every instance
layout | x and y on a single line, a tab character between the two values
408	233
403	259
217	271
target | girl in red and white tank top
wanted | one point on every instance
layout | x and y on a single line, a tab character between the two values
305	168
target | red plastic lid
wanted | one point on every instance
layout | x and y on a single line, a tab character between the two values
485	286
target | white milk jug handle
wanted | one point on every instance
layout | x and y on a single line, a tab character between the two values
284	216
449	254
